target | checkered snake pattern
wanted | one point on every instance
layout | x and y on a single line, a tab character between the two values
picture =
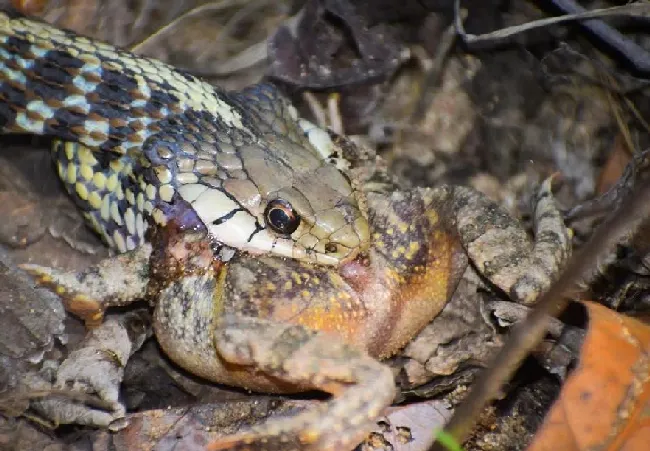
138	141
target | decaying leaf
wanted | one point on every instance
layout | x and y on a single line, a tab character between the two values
605	403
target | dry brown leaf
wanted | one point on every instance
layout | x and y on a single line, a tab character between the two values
605	403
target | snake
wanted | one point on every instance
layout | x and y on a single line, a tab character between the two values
137	141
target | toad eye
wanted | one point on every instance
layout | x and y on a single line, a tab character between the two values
281	217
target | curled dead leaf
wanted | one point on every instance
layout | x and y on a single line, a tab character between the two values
605	403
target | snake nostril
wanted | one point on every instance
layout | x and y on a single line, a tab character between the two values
331	248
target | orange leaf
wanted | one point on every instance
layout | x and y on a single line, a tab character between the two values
605	403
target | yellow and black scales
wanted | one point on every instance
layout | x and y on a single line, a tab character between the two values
136	136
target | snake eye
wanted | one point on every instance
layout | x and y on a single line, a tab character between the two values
281	217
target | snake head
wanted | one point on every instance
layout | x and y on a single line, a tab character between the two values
301	206
317	218
271	195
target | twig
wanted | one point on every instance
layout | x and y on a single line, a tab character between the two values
252	55
141	46
626	47
434	73
636	55
633	9
334	113
320	115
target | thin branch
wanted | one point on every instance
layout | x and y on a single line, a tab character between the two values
141	46
632	9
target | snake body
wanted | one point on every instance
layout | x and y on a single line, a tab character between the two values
136	137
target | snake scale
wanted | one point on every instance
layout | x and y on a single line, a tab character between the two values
135	138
